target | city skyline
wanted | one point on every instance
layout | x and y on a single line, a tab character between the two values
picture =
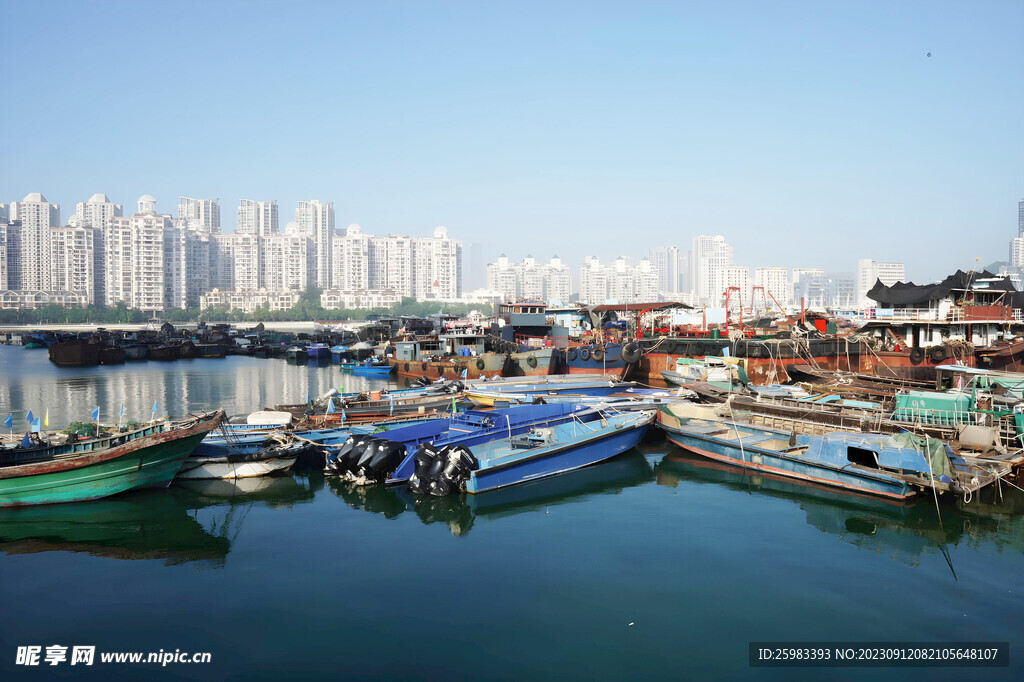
792	132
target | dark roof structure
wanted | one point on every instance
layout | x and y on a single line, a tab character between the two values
914	295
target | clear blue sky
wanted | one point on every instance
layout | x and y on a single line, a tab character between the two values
808	133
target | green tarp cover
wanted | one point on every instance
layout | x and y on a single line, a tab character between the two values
932	448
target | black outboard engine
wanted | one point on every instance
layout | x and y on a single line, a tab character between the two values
441	472
420	382
422	461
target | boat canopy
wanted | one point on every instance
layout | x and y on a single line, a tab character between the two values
903	451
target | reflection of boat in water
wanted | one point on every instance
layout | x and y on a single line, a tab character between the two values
274	491
138	525
905	530
459	512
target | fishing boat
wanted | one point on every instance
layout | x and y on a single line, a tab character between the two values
449	356
278	456
895	466
75	353
318	351
297	355
726	373
90	469
535	454
508	393
370	368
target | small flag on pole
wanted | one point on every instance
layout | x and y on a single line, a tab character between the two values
307	397
121	413
464	371
330	406
342	418
9	422
391	402
46	419
37	425
25	442
155	408
30	418
95	414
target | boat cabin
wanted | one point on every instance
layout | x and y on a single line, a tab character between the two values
445	344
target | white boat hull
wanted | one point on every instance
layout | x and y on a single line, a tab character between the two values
221	468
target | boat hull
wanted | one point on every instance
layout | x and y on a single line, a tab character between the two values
557	460
146	462
196	468
488	364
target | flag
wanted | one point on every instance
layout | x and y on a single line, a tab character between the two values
464	371
121	413
453	404
46	419
30	417
25	441
391	402
95	414
307	397
37	425
343	414
155	408
9	422
330	407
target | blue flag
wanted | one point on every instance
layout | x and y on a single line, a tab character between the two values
342	414
9	422
307	396
29	418
463	375
121	413
155	407
37	425
25	441
95	414
330	406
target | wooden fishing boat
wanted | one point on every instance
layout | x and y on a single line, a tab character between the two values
90	469
893	466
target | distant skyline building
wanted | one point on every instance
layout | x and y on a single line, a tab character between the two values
871	271
667	261
707	255
810	285
530	280
257	217
96	212
774	281
315	220
201	215
37	216
73	261
620	281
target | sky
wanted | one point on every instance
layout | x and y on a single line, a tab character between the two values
809	134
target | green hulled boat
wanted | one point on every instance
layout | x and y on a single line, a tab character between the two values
148	457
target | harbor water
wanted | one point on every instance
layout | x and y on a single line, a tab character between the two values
654	565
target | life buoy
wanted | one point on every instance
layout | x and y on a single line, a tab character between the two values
937	354
570	354
480	364
597	353
916	356
531	360
632	352
584	353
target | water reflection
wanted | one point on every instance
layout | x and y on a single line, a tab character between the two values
143	525
194	521
238	384
906	531
459	512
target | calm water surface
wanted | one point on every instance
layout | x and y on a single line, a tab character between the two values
654	565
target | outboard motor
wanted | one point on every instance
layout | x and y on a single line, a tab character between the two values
423	459
348	456
456	464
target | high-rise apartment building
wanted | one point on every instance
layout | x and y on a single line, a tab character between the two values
350	260
667	261
200	215
4	271
284	262
530	280
73	260
620	281
1017	252
436	266
870	271
96	212
315	220
774	282
257	217
707	255
37	216
809	285
735	280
